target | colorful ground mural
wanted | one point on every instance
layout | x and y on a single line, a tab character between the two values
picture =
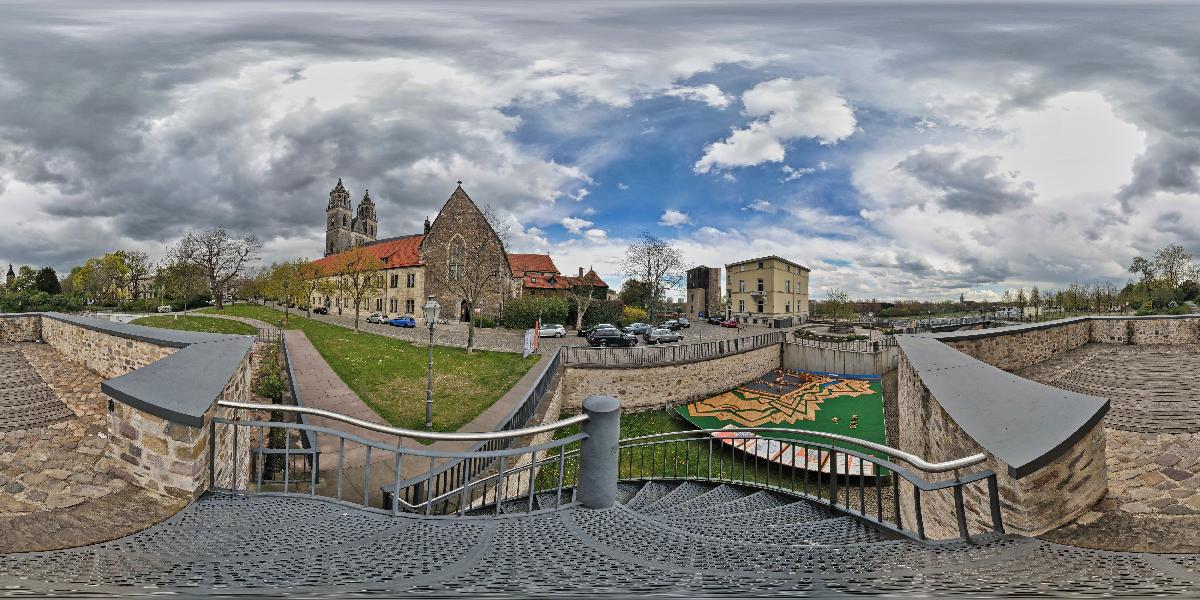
850	405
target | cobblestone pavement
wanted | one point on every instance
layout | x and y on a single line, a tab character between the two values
56	474
1152	442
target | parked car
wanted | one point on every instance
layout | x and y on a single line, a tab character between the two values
730	323
588	330
378	318
638	328
405	321
673	325
164	308
662	335
552	331
321	310
685	323
611	337
714	320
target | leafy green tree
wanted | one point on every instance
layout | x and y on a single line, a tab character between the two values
47	281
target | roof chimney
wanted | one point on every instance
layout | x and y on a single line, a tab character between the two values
581	271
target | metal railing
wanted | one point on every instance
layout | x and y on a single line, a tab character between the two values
645	356
513	476
873	495
847	346
268	335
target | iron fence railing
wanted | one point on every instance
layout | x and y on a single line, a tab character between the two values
641	356
269	335
849	345
513	476
841	480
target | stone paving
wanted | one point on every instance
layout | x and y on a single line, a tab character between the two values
57	474
1152	443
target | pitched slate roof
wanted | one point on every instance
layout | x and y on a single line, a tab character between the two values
404	251
536	263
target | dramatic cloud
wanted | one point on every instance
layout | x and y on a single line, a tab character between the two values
785	109
975	185
707	93
574	225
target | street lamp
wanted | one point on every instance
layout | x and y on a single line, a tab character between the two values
431	310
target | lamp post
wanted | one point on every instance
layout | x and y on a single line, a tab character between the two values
431	310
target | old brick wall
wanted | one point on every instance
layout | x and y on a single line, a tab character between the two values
24	328
104	353
651	388
1048	498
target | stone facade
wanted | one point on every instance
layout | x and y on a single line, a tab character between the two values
21	328
1049	497
101	352
704	292
461	246
1019	347
643	389
345	230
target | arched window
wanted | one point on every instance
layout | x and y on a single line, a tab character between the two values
455	258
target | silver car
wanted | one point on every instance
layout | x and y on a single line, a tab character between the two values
378	318
552	331
662	336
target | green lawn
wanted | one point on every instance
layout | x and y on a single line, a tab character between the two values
389	374
194	323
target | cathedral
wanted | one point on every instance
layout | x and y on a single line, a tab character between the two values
345	229
419	265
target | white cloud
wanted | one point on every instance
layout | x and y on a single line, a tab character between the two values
596	235
707	93
760	205
790	173
784	109
621	186
674	218
574	225
579	194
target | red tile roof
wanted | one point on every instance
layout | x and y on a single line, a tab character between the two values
536	263
538	281
589	278
394	252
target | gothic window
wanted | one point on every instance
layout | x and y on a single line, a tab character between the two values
395	280
456	265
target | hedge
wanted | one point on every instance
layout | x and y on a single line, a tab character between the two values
521	313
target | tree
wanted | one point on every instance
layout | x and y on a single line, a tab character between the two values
1173	264
102	279
179	281
655	263
1144	268
634	293
47	281
1021	300
313	280
1035	300
585	294
138	272
219	256
285	283
25	280
838	306
357	273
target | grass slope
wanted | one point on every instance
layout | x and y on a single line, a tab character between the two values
194	323
389	374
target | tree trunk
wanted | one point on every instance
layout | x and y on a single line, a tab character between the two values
356	303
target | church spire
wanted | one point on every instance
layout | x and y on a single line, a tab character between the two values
11	277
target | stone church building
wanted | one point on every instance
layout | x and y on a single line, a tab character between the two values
419	265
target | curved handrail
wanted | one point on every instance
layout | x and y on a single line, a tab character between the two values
912	459
411	433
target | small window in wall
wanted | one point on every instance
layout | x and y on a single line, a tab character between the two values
761	305
395	281
760	285
409	306
760	263
411	281
787	286
787	308
379	304
392	305
741	285
741	306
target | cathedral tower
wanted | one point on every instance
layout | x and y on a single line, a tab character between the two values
338	226
365	223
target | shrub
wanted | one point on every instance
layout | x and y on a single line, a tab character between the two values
603	311
521	313
485	322
632	314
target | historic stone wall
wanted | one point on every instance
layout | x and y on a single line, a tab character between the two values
1048	498
173	459
22	328
651	388
1146	331
461	222
104	353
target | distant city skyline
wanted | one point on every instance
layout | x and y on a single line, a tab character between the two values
899	151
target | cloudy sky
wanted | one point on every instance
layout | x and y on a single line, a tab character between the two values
899	150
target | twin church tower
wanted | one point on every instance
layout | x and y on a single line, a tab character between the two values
345	229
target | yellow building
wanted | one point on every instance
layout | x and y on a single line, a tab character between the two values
769	291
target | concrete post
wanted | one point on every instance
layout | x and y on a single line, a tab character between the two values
598	454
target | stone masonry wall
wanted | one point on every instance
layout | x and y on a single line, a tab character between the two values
106	354
1050	497
1145	331
650	388
20	329
173	459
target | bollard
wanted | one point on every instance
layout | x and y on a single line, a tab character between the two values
598	454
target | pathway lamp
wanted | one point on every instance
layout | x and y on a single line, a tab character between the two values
431	310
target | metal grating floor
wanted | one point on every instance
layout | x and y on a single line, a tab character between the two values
25	399
270	545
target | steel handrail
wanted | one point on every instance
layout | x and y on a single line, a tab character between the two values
912	459
420	435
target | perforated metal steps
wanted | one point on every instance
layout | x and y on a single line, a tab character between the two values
689	539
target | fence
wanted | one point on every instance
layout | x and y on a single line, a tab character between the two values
848	346
580	356
281	459
269	335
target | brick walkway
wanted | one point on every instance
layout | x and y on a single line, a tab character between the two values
1152	443
57	488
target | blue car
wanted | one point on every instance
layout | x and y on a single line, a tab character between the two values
405	321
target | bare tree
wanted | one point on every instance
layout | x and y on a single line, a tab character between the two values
219	256
475	270
584	294
358	273
655	263
1035	300
1173	264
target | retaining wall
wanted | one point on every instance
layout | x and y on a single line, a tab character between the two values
20	328
830	360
